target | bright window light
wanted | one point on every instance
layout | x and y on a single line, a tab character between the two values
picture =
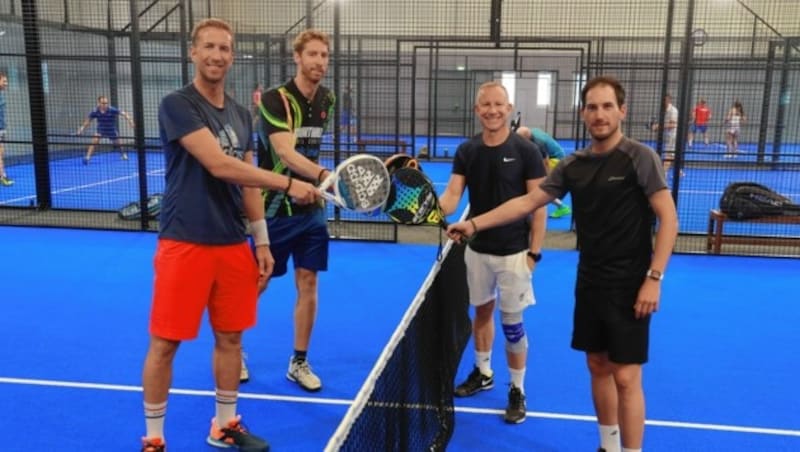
509	80
543	89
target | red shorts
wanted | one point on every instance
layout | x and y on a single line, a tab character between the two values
190	277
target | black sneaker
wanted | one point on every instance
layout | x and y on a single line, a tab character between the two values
515	411
476	381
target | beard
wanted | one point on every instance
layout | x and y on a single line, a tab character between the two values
603	136
314	76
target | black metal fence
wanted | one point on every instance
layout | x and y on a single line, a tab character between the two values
409	71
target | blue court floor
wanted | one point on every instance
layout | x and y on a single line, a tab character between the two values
722	376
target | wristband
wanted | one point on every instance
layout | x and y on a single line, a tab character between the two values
319	176
289	185
474	226
258	230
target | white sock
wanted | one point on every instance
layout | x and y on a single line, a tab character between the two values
225	407
518	378
625	449
483	361
154	414
610	438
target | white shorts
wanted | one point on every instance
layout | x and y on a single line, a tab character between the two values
506	278
669	142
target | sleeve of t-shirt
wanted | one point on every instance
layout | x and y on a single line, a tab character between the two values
554	184
248	122
114	111
93	114
649	171
178	117
275	118
459	161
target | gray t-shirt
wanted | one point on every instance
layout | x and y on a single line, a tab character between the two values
611	209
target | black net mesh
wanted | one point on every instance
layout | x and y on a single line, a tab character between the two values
408	406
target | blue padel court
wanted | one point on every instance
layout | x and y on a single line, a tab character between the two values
722	376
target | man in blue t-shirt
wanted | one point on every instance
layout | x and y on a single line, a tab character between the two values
203	260
496	166
4	180
618	191
107	126
553	153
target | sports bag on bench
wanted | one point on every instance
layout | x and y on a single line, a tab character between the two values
748	200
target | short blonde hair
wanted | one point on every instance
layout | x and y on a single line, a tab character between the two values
490	84
309	35
211	23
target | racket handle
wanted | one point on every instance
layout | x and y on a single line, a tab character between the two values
331	197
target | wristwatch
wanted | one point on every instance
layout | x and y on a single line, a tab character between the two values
655	275
535	256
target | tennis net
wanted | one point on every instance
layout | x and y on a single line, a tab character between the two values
406	402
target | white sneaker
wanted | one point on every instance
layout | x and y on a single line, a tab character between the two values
244	374
300	373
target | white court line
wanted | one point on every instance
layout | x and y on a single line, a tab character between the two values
81	187
326	401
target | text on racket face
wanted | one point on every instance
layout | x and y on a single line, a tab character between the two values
365	183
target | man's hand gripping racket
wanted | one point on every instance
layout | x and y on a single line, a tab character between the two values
360	183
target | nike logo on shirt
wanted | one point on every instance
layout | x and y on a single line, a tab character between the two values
508	159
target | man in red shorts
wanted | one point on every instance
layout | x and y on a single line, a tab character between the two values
203	260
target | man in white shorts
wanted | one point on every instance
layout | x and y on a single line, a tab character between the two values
496	166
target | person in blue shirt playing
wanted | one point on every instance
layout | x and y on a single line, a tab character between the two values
106	117
4	180
554	153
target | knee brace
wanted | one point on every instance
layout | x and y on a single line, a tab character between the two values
516	340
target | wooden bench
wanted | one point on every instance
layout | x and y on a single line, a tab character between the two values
716	237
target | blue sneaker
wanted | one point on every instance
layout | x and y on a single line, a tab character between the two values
235	436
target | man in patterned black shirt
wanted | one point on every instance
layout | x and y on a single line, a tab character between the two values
293	118
618	189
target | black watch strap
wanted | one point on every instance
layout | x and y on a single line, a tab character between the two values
535	256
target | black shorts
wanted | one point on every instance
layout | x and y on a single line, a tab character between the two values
604	321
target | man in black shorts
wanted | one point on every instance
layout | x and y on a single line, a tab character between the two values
618	190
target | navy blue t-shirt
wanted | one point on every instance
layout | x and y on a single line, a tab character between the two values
198	207
106	121
495	174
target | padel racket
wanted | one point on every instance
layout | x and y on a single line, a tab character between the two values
401	160
413	200
360	183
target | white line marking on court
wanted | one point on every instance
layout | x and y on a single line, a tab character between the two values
81	187
685	425
327	401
